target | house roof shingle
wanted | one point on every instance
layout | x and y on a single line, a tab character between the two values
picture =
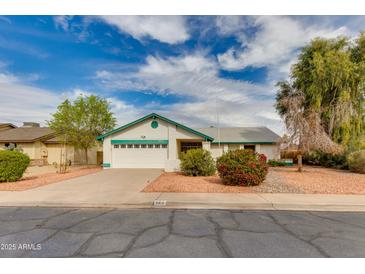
26	134
241	134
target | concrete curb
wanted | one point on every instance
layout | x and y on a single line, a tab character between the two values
201	205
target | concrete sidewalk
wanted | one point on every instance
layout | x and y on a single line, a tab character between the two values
264	201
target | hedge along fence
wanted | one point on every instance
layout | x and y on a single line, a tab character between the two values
242	167
12	165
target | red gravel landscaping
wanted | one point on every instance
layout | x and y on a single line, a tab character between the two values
46	178
322	180
279	180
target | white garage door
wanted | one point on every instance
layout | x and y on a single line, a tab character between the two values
139	155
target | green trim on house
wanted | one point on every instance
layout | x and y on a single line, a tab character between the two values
245	143
143	142
106	165
155	116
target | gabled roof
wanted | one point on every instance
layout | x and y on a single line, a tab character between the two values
241	135
26	134
154	116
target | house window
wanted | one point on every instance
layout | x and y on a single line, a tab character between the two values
122	146
116	146
150	146
136	146
157	146
251	147
185	146
143	146
10	145
130	146
164	146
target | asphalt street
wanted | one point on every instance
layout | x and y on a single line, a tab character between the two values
65	232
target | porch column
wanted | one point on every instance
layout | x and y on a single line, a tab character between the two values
242	146
206	145
225	147
258	148
172	147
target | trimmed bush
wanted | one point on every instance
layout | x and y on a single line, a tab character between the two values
356	161
12	165
242	167
274	163
197	162
319	158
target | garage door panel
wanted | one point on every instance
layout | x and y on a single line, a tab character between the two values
139	157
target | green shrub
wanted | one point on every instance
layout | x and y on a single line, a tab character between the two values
319	158
242	167
356	161
197	162
12	165
275	163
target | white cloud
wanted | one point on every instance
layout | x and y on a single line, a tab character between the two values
62	22
168	29
197	77
190	75
123	112
275	42
233	25
21	102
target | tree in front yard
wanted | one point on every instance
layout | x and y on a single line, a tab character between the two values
303	125
323	102
80	121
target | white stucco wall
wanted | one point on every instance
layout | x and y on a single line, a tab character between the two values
271	151
216	150
144	131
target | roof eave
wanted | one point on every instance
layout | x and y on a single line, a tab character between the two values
154	115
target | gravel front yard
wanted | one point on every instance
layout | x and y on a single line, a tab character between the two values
38	180
279	180
318	180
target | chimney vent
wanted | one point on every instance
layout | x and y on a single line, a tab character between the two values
30	124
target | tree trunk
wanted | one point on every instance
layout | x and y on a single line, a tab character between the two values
300	164
86	156
60	164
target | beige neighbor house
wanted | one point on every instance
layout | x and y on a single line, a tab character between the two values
154	141
43	146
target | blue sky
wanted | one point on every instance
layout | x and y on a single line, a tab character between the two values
186	68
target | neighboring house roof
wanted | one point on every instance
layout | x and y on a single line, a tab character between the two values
154	115
6	126
241	135
26	134
54	140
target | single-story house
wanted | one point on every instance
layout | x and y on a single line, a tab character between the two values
154	141
43	146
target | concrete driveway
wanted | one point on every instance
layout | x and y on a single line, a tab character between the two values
107	187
